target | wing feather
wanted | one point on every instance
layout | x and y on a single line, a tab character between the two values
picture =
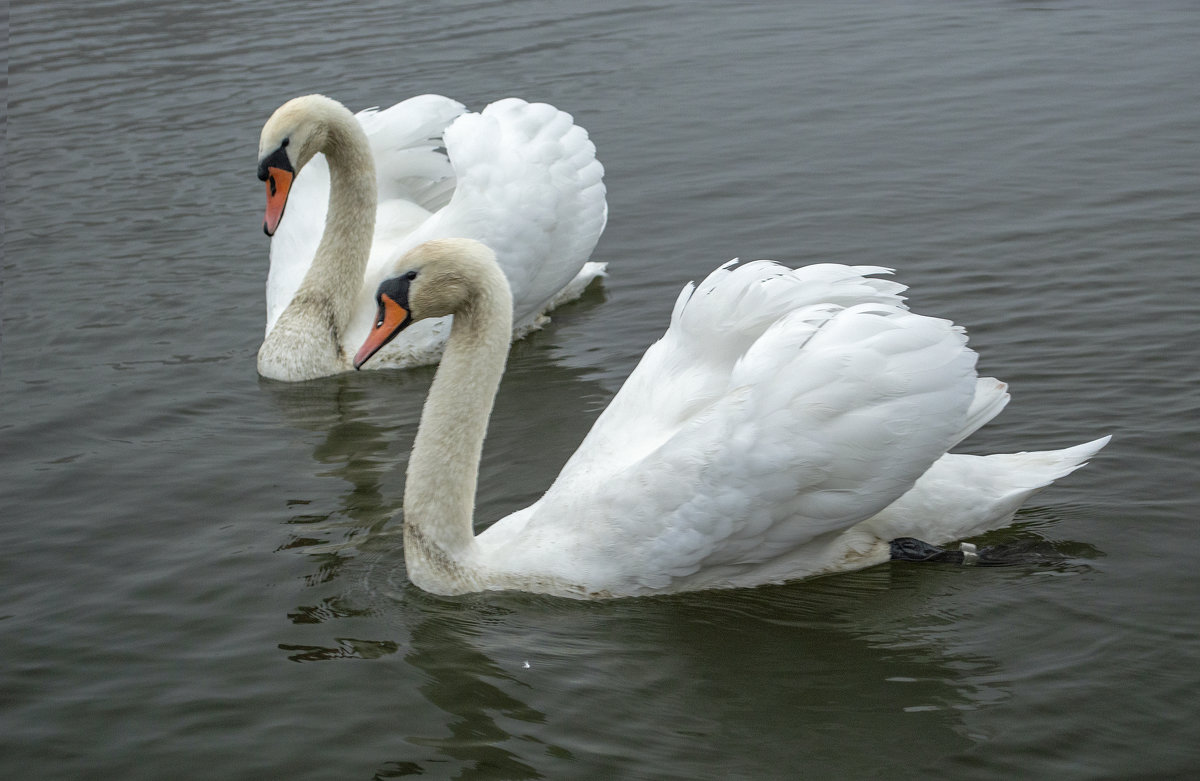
527	184
781	406
530	188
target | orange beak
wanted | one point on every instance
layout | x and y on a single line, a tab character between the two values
390	320
279	184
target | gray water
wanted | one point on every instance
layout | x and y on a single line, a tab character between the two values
201	576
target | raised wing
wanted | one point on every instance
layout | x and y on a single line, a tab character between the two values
529	186
780	408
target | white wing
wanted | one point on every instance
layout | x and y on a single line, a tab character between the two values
529	186
781	408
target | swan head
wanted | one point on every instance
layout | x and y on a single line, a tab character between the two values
291	137
438	278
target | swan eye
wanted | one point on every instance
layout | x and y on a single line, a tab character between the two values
410	276
284	143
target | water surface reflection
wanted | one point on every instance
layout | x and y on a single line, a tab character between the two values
684	682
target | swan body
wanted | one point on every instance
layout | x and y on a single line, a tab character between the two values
360	190
790	423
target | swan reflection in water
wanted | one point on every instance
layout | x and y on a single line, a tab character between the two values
527	686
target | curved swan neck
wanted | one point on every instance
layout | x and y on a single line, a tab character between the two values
439	495
341	257
306	340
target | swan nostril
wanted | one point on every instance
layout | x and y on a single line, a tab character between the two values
271	184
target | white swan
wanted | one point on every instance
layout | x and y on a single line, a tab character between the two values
521	177
789	423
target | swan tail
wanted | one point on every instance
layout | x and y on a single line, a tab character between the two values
590	272
961	495
1046	466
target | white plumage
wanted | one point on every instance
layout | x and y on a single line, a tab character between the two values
789	423
521	177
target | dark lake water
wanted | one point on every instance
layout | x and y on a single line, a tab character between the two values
201	576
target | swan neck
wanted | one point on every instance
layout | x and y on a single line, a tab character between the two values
341	258
439	496
307	339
